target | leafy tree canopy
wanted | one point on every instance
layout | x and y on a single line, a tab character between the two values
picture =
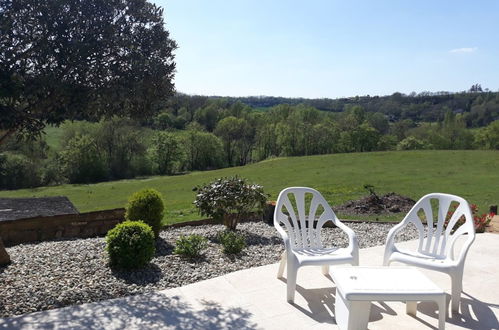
77	59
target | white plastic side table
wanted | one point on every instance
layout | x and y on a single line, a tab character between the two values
356	287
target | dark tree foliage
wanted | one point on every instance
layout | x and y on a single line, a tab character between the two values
81	59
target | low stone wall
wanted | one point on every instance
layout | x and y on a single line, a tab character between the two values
4	256
80	225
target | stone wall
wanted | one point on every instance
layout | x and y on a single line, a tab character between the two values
4	256
80	225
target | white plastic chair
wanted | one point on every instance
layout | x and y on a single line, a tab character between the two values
436	248
300	228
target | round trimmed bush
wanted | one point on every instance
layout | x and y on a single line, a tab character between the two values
130	244
146	205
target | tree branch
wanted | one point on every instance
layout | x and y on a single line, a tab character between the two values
6	135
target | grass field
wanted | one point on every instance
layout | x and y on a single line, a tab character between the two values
53	137
472	174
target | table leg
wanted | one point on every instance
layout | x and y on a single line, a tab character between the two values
351	315
441	312
411	307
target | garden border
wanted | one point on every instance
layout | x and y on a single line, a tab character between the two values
45	228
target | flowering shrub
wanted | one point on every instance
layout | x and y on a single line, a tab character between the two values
229	199
480	221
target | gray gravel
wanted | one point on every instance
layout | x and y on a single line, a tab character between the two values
54	274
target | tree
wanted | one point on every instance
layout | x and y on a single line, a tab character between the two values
237	136
476	88
204	150
166	152
207	116
455	133
120	143
81	162
81	60
379	122
266	141
360	139
488	137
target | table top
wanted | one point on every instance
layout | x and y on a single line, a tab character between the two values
364	283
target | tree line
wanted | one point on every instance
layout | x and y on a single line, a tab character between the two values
199	133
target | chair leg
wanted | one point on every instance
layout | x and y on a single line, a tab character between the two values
386	260
325	270
291	282
355	258
282	264
457	287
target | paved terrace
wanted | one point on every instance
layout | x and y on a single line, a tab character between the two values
255	299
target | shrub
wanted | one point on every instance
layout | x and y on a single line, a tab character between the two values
18	171
130	244
146	205
232	242
190	246
412	143
51	173
230	199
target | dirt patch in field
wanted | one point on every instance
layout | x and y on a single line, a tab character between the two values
372	204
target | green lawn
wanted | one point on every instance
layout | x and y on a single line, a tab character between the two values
53	136
473	175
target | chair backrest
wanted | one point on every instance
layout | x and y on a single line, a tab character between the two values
303	211
439	237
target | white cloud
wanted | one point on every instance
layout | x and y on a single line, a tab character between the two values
464	50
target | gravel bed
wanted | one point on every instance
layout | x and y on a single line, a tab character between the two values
55	274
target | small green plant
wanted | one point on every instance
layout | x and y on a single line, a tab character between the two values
146	205
232	242
130	244
372	192
370	189
229	199
190	246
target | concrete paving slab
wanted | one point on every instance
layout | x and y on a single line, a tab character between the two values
256	299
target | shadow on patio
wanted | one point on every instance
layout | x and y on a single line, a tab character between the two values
150	311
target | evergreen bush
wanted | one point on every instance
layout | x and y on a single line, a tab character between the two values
130	245
146	205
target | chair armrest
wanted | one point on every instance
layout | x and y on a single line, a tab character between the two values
284	235
353	242
464	249
391	235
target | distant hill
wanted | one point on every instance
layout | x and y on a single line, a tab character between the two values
480	106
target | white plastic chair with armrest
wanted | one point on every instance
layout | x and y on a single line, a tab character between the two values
300	228
436	248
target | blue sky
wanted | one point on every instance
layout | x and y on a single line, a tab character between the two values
332	48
